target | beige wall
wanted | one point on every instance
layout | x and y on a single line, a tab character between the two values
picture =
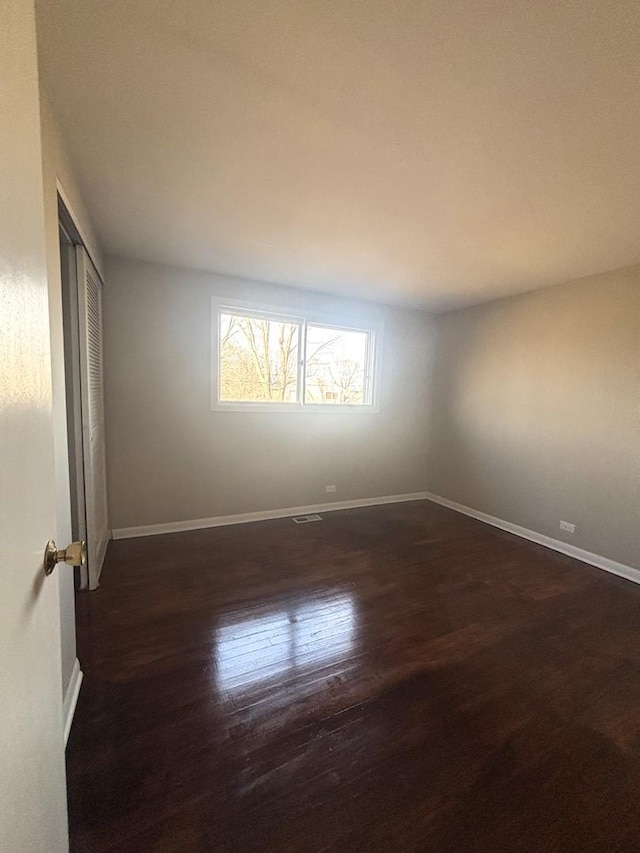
536	411
57	169
170	458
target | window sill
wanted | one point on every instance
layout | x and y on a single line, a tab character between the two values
294	409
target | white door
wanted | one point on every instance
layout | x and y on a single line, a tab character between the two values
32	779
92	413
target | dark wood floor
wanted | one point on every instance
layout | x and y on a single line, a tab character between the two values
397	678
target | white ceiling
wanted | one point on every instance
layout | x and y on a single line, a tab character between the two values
426	152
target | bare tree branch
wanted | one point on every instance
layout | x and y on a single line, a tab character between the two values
232	328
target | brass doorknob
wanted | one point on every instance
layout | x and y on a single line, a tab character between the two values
74	555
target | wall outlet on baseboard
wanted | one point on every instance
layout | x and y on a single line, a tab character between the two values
566	525
330	489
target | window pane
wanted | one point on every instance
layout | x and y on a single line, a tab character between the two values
258	360
336	366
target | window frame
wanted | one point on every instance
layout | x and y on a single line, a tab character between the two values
373	330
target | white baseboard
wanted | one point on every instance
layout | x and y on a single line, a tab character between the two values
71	698
605	563
245	518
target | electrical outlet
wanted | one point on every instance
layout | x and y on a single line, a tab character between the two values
566	525
329	489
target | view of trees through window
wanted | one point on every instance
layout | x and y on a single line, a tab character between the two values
259	360
335	366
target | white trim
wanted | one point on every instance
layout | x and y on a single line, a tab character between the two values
100	558
71	698
623	571
628	572
91	251
373	329
244	518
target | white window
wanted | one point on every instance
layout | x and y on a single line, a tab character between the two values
264	360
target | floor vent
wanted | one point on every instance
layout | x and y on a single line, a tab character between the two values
305	519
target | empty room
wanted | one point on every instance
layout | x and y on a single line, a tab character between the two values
320	426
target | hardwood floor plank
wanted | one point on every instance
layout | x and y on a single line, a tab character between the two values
396	678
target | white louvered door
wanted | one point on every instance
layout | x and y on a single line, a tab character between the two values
93	432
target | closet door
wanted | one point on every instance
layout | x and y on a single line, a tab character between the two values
92	408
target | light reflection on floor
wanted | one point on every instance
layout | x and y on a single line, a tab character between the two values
287	639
